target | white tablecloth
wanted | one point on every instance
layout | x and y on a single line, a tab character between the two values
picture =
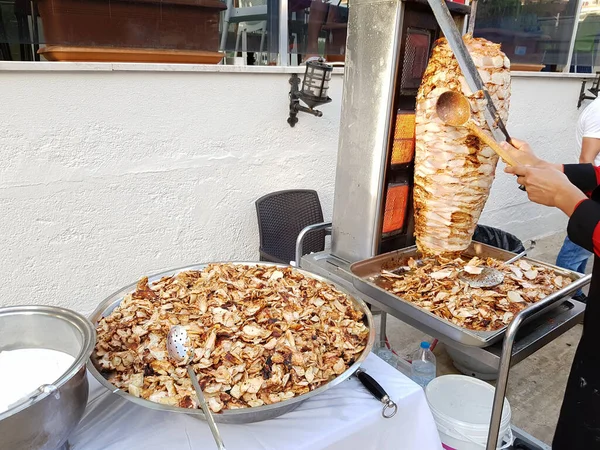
345	417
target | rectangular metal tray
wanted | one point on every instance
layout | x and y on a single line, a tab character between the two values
365	271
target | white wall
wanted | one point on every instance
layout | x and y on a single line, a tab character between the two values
109	175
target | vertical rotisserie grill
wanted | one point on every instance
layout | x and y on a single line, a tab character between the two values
373	161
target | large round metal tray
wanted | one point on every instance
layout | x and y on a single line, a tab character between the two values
244	415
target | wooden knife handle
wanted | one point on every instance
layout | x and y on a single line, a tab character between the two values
491	142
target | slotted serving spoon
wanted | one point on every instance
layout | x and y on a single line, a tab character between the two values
180	347
490	277
454	109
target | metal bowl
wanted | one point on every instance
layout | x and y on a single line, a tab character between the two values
46	419
243	415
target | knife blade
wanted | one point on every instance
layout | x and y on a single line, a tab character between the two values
469	70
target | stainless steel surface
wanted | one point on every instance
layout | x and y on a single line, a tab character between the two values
553	322
491	277
559	319
515	258
524	438
208	415
325	264
382	329
245	415
178	344
469	70
507	348
372	53
46	421
531	337
338	270
309	229
333	268
365	271
178	348
488	277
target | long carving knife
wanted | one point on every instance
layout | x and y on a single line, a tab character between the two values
472	77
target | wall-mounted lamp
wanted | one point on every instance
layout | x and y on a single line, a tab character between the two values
313	92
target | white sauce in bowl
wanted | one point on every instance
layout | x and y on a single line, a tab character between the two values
22	371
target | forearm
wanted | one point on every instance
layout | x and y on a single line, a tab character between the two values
590	148
568	199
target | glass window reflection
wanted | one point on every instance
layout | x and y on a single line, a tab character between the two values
535	34
585	50
318	28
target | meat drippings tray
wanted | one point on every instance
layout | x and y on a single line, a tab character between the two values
366	271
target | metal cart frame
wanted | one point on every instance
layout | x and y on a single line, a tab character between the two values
340	273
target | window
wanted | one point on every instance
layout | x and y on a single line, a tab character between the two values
585	51
318	27
535	34
172	30
542	35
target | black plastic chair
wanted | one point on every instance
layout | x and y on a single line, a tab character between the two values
498	238
282	216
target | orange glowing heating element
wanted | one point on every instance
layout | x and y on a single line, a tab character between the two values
395	208
403	149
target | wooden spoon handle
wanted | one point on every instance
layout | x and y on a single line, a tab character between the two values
491	142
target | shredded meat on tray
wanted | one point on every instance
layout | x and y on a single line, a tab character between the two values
433	285
261	335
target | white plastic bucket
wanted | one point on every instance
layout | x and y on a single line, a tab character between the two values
462	409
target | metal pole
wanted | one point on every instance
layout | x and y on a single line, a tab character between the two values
225	30
382	329
507	346
567	67
472	17
34	29
284	52
300	239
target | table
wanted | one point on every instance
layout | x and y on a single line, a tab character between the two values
345	417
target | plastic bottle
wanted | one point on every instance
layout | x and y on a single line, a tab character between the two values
386	354
423	365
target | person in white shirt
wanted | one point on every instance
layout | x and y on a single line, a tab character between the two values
588	134
571	256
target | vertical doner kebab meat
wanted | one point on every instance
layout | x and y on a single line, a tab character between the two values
454	170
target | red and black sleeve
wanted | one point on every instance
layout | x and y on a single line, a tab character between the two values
584	226
585	176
